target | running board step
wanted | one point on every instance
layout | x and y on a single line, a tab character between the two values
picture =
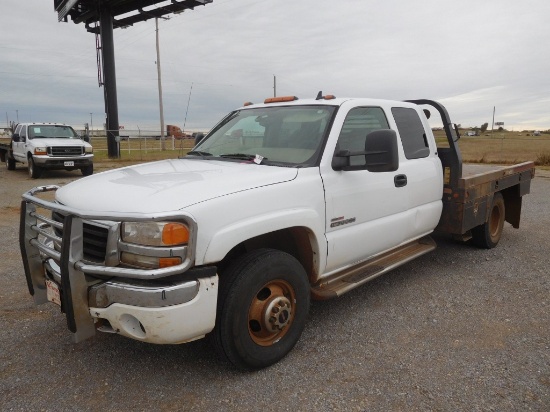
342	282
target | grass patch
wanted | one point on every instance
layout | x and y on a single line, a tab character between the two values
501	148
141	150
543	159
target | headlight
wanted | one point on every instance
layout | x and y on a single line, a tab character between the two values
40	151
88	149
155	233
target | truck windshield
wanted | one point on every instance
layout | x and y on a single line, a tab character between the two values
288	135
51	131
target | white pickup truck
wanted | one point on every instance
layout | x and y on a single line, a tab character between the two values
42	146
280	203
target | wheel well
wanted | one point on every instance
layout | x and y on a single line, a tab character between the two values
296	241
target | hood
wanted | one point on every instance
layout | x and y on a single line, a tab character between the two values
168	185
58	142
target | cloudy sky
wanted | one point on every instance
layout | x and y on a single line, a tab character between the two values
472	55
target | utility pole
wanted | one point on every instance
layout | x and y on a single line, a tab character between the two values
109	80
493	126
274	86
162	140
91	125
17	112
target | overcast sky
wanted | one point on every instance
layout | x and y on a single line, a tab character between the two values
471	55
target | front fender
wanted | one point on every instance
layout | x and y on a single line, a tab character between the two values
227	221
235	233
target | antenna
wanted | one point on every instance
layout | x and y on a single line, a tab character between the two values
187	110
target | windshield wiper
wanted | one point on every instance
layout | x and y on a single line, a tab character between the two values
239	156
199	153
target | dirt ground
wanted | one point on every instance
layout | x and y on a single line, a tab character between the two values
459	329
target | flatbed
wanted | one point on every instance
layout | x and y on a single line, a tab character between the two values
467	204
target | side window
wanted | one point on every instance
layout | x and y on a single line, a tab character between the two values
411	130
359	122
23	132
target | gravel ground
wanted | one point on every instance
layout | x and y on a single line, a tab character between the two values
460	329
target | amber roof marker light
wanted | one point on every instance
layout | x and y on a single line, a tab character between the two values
280	99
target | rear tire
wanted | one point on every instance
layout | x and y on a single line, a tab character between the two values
263	304
10	163
34	171
488	234
88	170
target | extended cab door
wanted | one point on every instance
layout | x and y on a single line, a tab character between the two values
372	212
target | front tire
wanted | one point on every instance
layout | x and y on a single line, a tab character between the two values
488	234
34	171
262	308
88	170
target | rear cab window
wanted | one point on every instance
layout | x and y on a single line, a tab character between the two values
412	132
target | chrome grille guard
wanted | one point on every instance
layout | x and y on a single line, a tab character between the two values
36	242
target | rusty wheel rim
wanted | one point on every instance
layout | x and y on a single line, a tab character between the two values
495	225
271	312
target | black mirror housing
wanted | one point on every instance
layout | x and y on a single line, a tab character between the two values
198	137
381	151
381	154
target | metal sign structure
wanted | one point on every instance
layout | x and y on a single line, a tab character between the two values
102	17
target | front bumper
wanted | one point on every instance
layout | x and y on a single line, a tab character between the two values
166	305
51	162
164	325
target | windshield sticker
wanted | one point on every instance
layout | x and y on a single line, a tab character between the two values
36	129
258	159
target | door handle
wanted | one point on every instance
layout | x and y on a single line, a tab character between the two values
400	180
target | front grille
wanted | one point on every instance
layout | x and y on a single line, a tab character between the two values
94	242
66	150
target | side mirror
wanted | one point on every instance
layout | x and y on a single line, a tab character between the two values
15	137
381	154
198	138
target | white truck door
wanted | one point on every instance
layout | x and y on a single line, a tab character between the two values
18	148
367	212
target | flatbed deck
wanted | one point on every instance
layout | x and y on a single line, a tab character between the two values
467	204
474	174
